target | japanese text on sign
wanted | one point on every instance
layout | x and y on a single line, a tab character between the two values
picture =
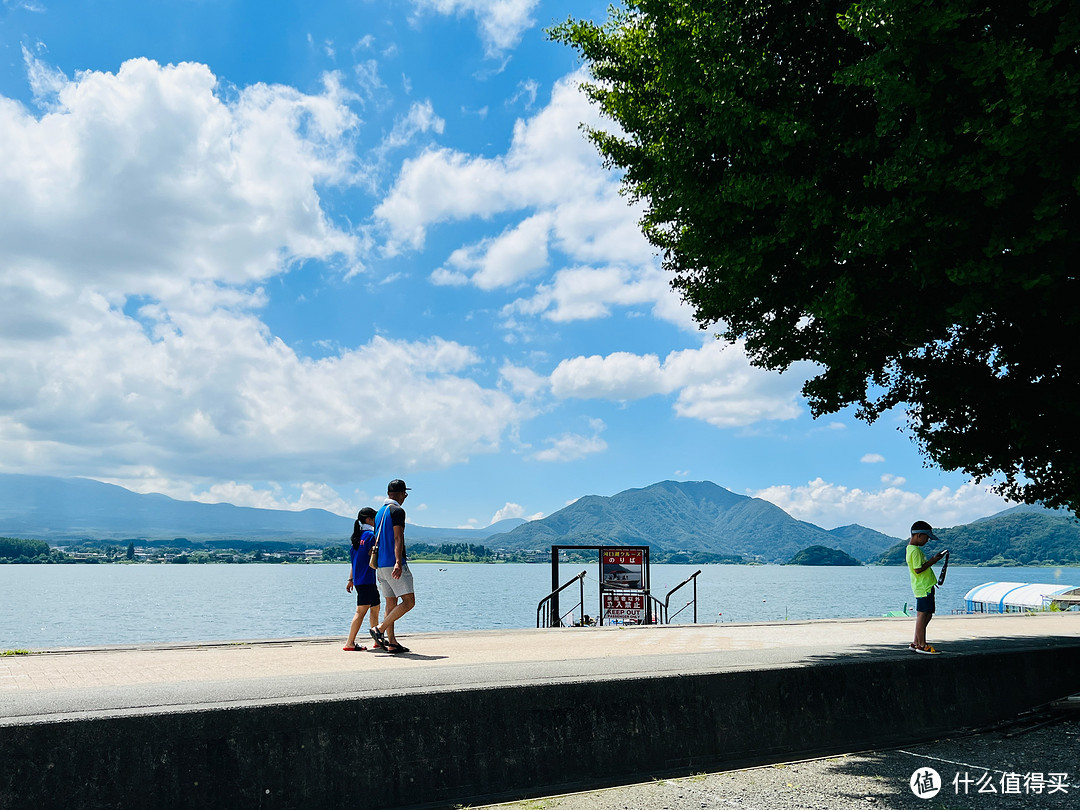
625	606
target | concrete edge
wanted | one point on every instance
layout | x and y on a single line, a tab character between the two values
438	748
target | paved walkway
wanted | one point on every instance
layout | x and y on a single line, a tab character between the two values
81	682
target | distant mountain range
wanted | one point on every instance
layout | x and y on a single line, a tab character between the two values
689	516
701	516
61	510
1022	535
696	517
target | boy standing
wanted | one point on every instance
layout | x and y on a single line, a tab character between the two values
922	582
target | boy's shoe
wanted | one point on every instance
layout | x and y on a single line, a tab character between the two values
355	648
927	650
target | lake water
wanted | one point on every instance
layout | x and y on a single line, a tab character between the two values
47	606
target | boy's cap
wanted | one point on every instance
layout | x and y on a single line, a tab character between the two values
922	527
397	485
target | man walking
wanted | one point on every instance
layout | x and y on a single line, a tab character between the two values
393	574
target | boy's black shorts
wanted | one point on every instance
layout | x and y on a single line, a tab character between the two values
925	604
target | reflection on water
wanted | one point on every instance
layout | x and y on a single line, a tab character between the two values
45	606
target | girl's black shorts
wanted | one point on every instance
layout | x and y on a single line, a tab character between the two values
366	594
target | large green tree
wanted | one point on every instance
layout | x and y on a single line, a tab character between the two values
887	189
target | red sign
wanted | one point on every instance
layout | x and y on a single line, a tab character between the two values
625	606
623	556
622	569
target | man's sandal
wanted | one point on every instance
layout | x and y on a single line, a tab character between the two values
379	636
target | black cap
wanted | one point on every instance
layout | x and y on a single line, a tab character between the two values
922	527
367	511
397	485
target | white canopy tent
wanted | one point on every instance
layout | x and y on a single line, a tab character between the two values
1017	597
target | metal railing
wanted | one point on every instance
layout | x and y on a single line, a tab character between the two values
657	609
550	600
665	615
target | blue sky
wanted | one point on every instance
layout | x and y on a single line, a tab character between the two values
277	254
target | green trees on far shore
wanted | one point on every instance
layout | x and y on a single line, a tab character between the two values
22	551
821	555
186	552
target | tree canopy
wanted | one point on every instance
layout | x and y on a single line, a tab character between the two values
886	189
13	548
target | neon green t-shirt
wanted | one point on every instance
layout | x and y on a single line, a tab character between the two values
920	583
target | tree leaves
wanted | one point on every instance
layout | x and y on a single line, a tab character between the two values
888	189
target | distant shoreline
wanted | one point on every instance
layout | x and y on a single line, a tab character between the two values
425	561
183	551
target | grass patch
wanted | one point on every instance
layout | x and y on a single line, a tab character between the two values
15	652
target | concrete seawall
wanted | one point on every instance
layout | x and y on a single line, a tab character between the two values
448	742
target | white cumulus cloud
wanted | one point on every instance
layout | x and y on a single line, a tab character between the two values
890	510
502	22
146	179
513	510
500	261
311	495
142	211
572	218
715	384
549	164
574	446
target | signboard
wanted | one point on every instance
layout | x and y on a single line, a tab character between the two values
625	607
621	569
624	596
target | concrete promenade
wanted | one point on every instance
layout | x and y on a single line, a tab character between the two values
480	713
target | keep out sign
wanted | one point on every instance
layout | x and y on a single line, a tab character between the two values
628	607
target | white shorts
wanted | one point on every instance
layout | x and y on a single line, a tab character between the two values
395	587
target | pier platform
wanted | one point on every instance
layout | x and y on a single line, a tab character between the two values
475	716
